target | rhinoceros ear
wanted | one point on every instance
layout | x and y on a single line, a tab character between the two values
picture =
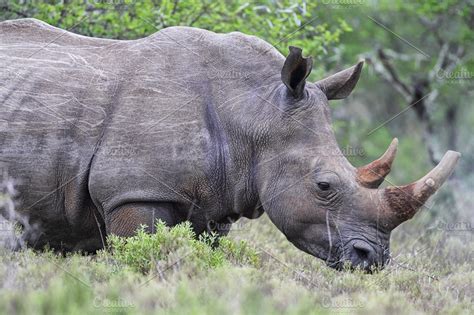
295	71
341	84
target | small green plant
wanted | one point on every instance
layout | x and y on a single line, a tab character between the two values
239	252
176	245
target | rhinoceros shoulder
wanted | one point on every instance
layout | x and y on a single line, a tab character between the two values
202	35
235	46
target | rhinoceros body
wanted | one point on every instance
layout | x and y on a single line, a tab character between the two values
87	124
103	136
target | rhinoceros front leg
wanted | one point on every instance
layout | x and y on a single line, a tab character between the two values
125	220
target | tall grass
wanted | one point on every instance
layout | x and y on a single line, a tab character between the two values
253	271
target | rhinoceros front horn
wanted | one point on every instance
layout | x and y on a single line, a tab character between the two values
402	202
373	174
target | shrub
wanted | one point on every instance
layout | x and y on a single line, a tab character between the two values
173	246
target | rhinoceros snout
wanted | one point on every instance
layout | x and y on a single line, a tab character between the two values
362	255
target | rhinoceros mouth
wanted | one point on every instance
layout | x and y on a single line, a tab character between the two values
336	264
359	254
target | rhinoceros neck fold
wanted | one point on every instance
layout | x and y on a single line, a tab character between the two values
218	155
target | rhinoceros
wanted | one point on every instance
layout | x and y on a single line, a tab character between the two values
103	136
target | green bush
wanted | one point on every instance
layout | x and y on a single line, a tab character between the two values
174	246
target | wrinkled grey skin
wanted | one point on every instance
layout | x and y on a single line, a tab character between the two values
182	125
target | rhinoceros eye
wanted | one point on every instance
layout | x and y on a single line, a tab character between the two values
324	185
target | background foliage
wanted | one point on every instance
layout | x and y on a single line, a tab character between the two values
336	33
417	86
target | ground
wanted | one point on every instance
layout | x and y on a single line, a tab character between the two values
255	270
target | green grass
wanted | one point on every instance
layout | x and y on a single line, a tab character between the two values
252	271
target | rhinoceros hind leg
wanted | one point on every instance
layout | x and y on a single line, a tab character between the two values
125	220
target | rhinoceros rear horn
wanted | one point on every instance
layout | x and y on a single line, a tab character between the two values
373	174
295	71
341	84
402	202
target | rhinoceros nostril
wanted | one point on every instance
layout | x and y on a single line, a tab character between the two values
363	255
363	252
